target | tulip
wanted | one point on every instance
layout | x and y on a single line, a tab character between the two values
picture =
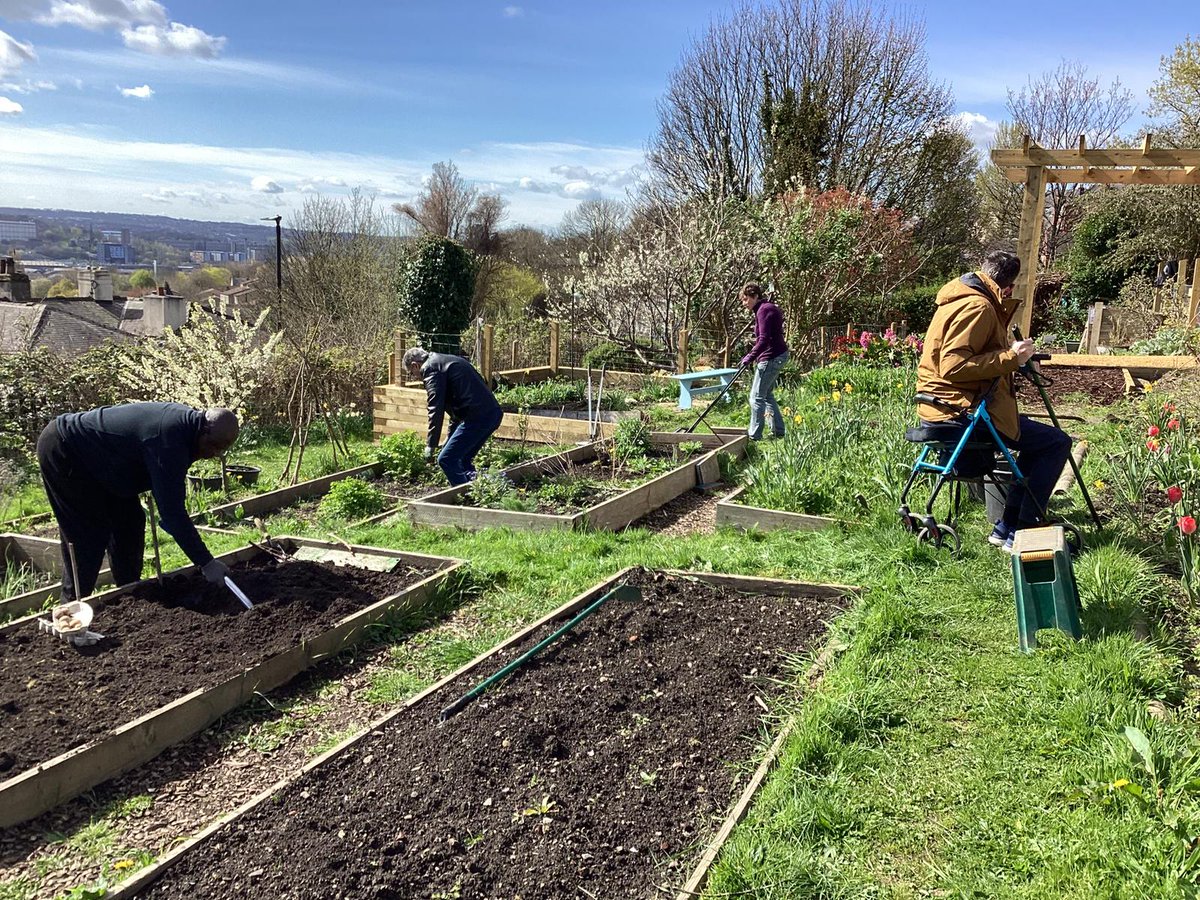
1187	525
1153	431
1173	425
1174	494
1152	445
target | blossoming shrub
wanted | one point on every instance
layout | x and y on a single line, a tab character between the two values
877	349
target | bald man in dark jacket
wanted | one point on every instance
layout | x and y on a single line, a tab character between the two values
95	464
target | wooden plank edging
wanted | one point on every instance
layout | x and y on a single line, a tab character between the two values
271	501
142	879
739	515
48	784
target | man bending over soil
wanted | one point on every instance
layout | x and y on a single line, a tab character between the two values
453	386
967	350
95	464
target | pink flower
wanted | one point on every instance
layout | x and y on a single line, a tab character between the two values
1168	407
865	339
1187	525
889	335
1152	431
1174	494
1173	425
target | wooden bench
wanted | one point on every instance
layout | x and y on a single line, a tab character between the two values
687	384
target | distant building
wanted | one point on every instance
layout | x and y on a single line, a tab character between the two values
17	231
115	248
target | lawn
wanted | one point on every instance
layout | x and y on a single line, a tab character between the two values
932	758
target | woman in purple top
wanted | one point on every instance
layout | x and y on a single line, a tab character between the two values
768	355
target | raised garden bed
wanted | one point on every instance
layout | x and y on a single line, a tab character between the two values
731	511
601	769
447	507
176	657
273	501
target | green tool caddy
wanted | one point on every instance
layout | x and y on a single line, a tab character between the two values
1044	584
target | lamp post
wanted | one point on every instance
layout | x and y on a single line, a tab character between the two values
278	252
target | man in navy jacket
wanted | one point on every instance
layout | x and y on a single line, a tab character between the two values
95	464
453	386
768	355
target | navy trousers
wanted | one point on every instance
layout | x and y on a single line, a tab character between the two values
457	458
1042	451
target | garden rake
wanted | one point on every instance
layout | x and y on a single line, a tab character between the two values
1038	380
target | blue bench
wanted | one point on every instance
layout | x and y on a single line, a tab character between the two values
688	389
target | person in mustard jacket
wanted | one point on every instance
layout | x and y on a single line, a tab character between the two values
967	349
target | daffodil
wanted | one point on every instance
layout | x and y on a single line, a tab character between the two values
836	396
787	410
833	381
1099	485
122	864
847	387
799	420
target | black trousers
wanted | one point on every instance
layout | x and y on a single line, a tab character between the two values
91	519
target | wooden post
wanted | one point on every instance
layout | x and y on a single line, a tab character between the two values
1195	301
489	335
726	353
1181	289
401	349
849	329
554	348
391	368
512	356
903	333
1029	243
1095	320
681	358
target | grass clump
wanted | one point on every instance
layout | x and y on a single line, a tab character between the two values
352	498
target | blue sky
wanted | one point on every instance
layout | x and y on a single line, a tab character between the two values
236	110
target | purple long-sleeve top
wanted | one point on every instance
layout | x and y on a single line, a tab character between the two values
769	341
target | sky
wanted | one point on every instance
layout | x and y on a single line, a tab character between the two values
234	111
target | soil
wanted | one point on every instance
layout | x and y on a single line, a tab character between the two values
598	770
1103	386
160	643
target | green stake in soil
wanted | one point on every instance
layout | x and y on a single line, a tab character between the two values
623	592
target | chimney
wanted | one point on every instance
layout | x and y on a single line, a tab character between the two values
14	285
96	284
162	310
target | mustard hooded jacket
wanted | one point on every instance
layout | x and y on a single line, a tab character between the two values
966	348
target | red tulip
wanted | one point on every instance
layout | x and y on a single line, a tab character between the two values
1173	424
1153	431
1174	494
1152	445
1168	407
1187	525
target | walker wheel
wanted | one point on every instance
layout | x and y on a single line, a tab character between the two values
940	536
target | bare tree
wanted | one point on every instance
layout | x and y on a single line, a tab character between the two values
877	103
1055	109
1176	95
445	206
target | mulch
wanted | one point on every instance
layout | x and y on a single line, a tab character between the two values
1102	386
598	770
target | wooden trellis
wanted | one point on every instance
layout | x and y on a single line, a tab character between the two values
1036	167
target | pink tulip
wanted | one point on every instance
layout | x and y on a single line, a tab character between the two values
1174	494
1187	525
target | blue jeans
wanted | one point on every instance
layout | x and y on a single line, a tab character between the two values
457	458
1042	451
762	396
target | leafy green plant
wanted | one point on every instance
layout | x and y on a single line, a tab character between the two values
403	456
352	498
569	492
1169	342
492	490
685	449
435	292
631	439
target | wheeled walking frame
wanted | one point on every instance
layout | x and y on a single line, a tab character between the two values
966	449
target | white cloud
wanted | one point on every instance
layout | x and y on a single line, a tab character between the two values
142	92
96	15
979	128
93	169
264	185
512	12
10	107
28	87
176	39
13	54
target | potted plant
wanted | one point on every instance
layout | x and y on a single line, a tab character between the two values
206	475
242	473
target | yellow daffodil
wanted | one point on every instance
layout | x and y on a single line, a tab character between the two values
847	387
1099	485
1148	387
836	396
833	381
121	864
787	410
799	420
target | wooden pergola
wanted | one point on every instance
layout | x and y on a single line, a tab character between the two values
1036	167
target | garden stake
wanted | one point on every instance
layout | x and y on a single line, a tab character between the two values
591	431
624	592
1035	377
74	568
154	536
